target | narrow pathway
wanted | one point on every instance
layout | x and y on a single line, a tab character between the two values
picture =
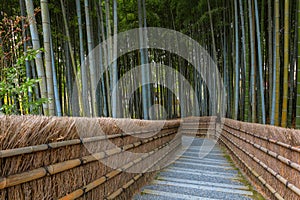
204	174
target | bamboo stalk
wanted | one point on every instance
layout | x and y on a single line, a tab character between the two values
137	177
128	184
22	178
113	151
78	193
116	193
63	143
113	174
128	165
24	150
63	166
96	183
74	195
94	157
126	147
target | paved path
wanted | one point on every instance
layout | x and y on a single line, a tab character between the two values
205	176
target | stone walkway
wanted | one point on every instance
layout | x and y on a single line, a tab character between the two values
204	174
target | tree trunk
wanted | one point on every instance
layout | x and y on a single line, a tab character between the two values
143	62
246	64
237	69
109	55
148	73
27	63
77	80
47	48
114	98
298	71
105	61
286	65
84	81
272	68
277	64
214	92
38	59
55	86
91	60
260	65
253	66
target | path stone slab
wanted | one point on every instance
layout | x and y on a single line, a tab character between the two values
200	172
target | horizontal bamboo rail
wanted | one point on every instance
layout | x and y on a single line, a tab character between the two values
79	192
275	155
43	147
134	179
115	194
252	171
24	177
267	168
282	144
187	123
198	127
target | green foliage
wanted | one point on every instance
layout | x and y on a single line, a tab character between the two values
15	87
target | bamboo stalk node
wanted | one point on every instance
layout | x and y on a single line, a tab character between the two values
3	183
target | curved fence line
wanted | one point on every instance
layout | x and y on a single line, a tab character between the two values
282	144
252	171
17	179
43	147
275	155
78	193
274	164
263	152
269	155
66	169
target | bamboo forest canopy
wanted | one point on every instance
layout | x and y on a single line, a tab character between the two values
46	44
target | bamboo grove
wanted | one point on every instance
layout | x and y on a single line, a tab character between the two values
254	44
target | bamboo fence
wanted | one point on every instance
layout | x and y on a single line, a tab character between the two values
269	155
47	158
199	126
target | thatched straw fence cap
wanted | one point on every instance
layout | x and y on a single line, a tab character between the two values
285	135
24	131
